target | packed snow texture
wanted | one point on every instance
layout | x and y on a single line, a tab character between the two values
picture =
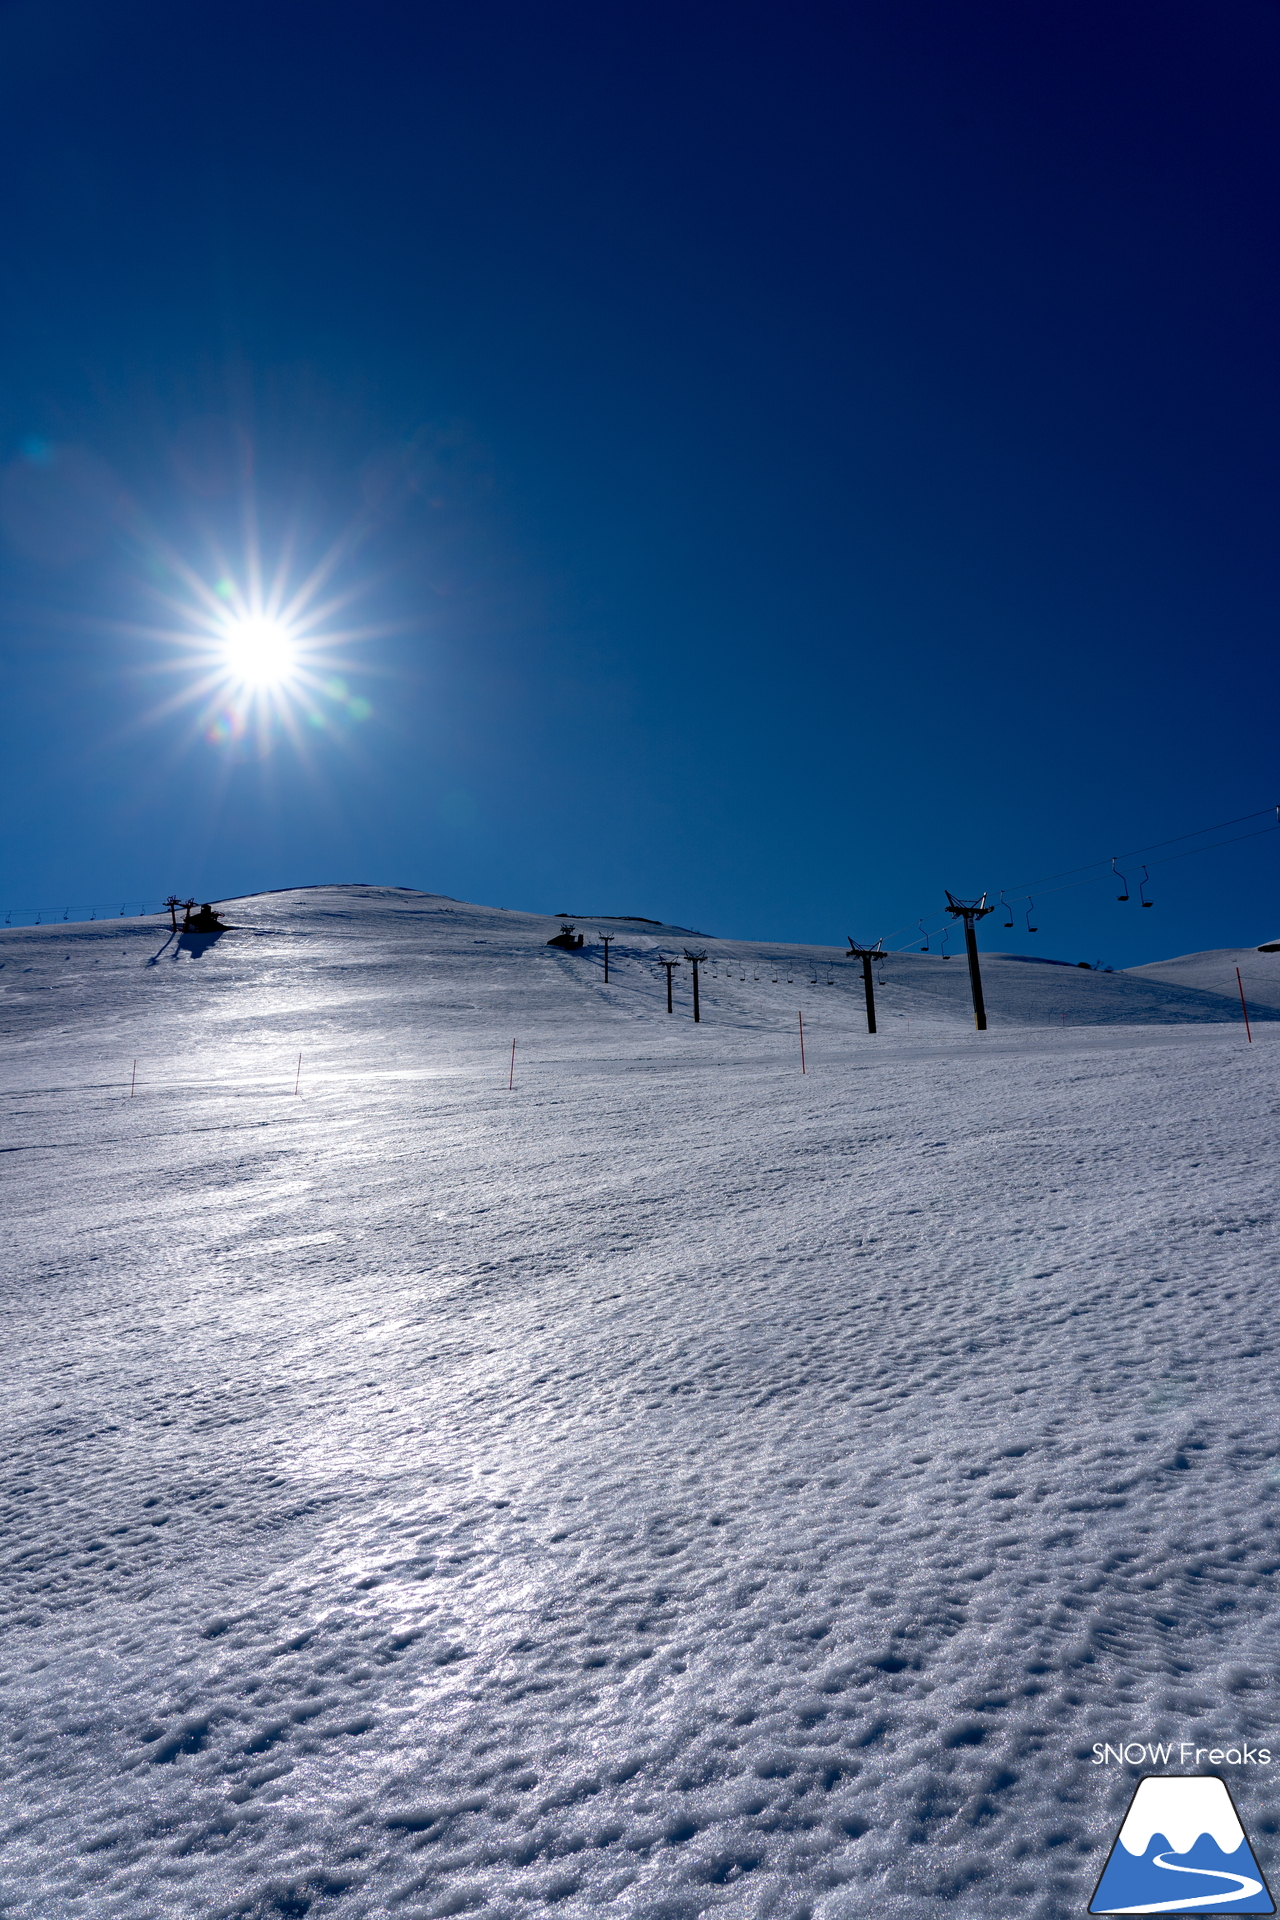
671	1486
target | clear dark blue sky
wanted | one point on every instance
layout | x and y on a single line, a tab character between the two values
786	460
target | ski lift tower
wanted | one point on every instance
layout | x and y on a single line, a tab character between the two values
670	966
695	961
867	955
969	911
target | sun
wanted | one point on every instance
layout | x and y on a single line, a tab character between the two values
259	652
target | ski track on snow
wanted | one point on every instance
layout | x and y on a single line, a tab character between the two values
673	1487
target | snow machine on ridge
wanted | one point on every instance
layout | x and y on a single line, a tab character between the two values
566	938
206	921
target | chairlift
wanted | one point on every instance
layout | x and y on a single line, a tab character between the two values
1006	908
1143	884
65	912
924	930
1120	877
943	943
1031	907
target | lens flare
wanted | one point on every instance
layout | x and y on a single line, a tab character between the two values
259	657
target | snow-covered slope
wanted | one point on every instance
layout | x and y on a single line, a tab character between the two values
1215	972
671	1486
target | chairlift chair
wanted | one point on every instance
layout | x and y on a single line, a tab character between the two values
1031	907
924	930
1120	877
1143	884
1006	908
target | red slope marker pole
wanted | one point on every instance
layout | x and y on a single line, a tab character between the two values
800	1018
511	1077
297	1076
134	1081
1243	1008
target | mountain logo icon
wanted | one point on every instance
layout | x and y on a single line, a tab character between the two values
1181	1849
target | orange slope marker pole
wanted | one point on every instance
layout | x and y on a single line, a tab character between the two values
800	1018
511	1077
1244	1010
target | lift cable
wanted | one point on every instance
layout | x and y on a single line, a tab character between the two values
1093	867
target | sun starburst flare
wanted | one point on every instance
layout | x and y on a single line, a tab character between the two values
258	658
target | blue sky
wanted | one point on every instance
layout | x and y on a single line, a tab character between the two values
774	463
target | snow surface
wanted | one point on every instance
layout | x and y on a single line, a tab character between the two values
674	1486
1215	972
